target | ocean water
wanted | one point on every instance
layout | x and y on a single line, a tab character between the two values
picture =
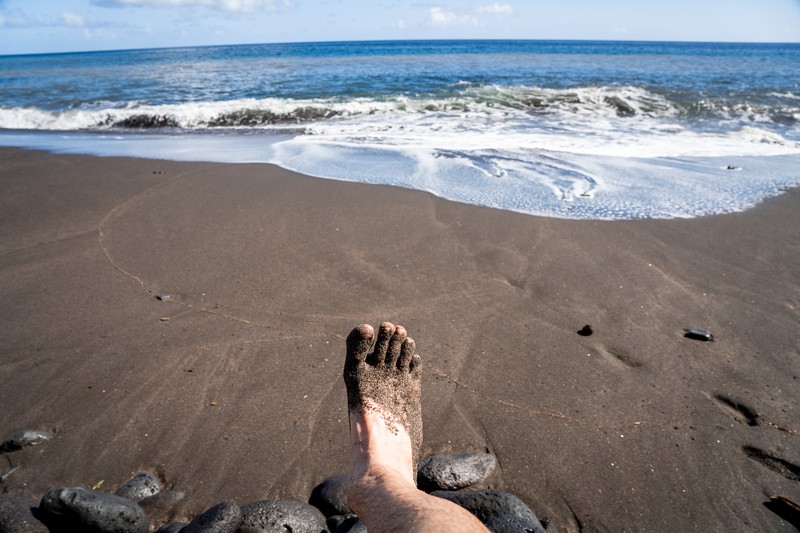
597	130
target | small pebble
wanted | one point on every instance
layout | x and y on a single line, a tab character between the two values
24	437
585	331
698	335
143	485
163	296
455	471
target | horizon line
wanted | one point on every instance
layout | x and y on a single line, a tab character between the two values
354	41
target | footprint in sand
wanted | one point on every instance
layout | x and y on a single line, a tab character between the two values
783	467
739	411
618	357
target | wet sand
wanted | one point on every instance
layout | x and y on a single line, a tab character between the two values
232	389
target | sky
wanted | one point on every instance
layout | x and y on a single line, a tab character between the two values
47	26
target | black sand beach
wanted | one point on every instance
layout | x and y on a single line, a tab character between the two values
232	388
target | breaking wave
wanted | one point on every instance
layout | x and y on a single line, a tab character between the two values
622	121
495	101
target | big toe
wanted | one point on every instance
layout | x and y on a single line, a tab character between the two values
358	343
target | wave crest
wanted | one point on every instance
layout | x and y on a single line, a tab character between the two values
598	120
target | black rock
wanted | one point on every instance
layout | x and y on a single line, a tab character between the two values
455	471
225	517
333	521
143	485
24	437
145	121
489	505
173	527
351	524
514	524
284	515
698	334
79	509
330	496
16	516
586	330
624	109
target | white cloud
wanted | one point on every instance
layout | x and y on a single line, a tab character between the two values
441	17
497	9
12	20
399	24
238	6
66	19
73	20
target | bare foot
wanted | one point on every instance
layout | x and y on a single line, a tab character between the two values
383	397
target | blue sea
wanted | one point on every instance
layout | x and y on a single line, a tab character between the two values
569	129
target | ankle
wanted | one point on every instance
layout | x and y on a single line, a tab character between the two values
378	451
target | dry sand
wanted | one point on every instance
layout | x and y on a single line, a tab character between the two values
232	389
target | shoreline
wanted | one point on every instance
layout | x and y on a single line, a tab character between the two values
238	395
553	183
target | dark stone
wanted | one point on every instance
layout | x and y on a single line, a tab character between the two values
698	335
330	496
624	109
488	505
514	524
147	122
173	527
284	515
351	524
24	437
333	521
455	471
143	485
16	516
79	509
225	517
585	331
